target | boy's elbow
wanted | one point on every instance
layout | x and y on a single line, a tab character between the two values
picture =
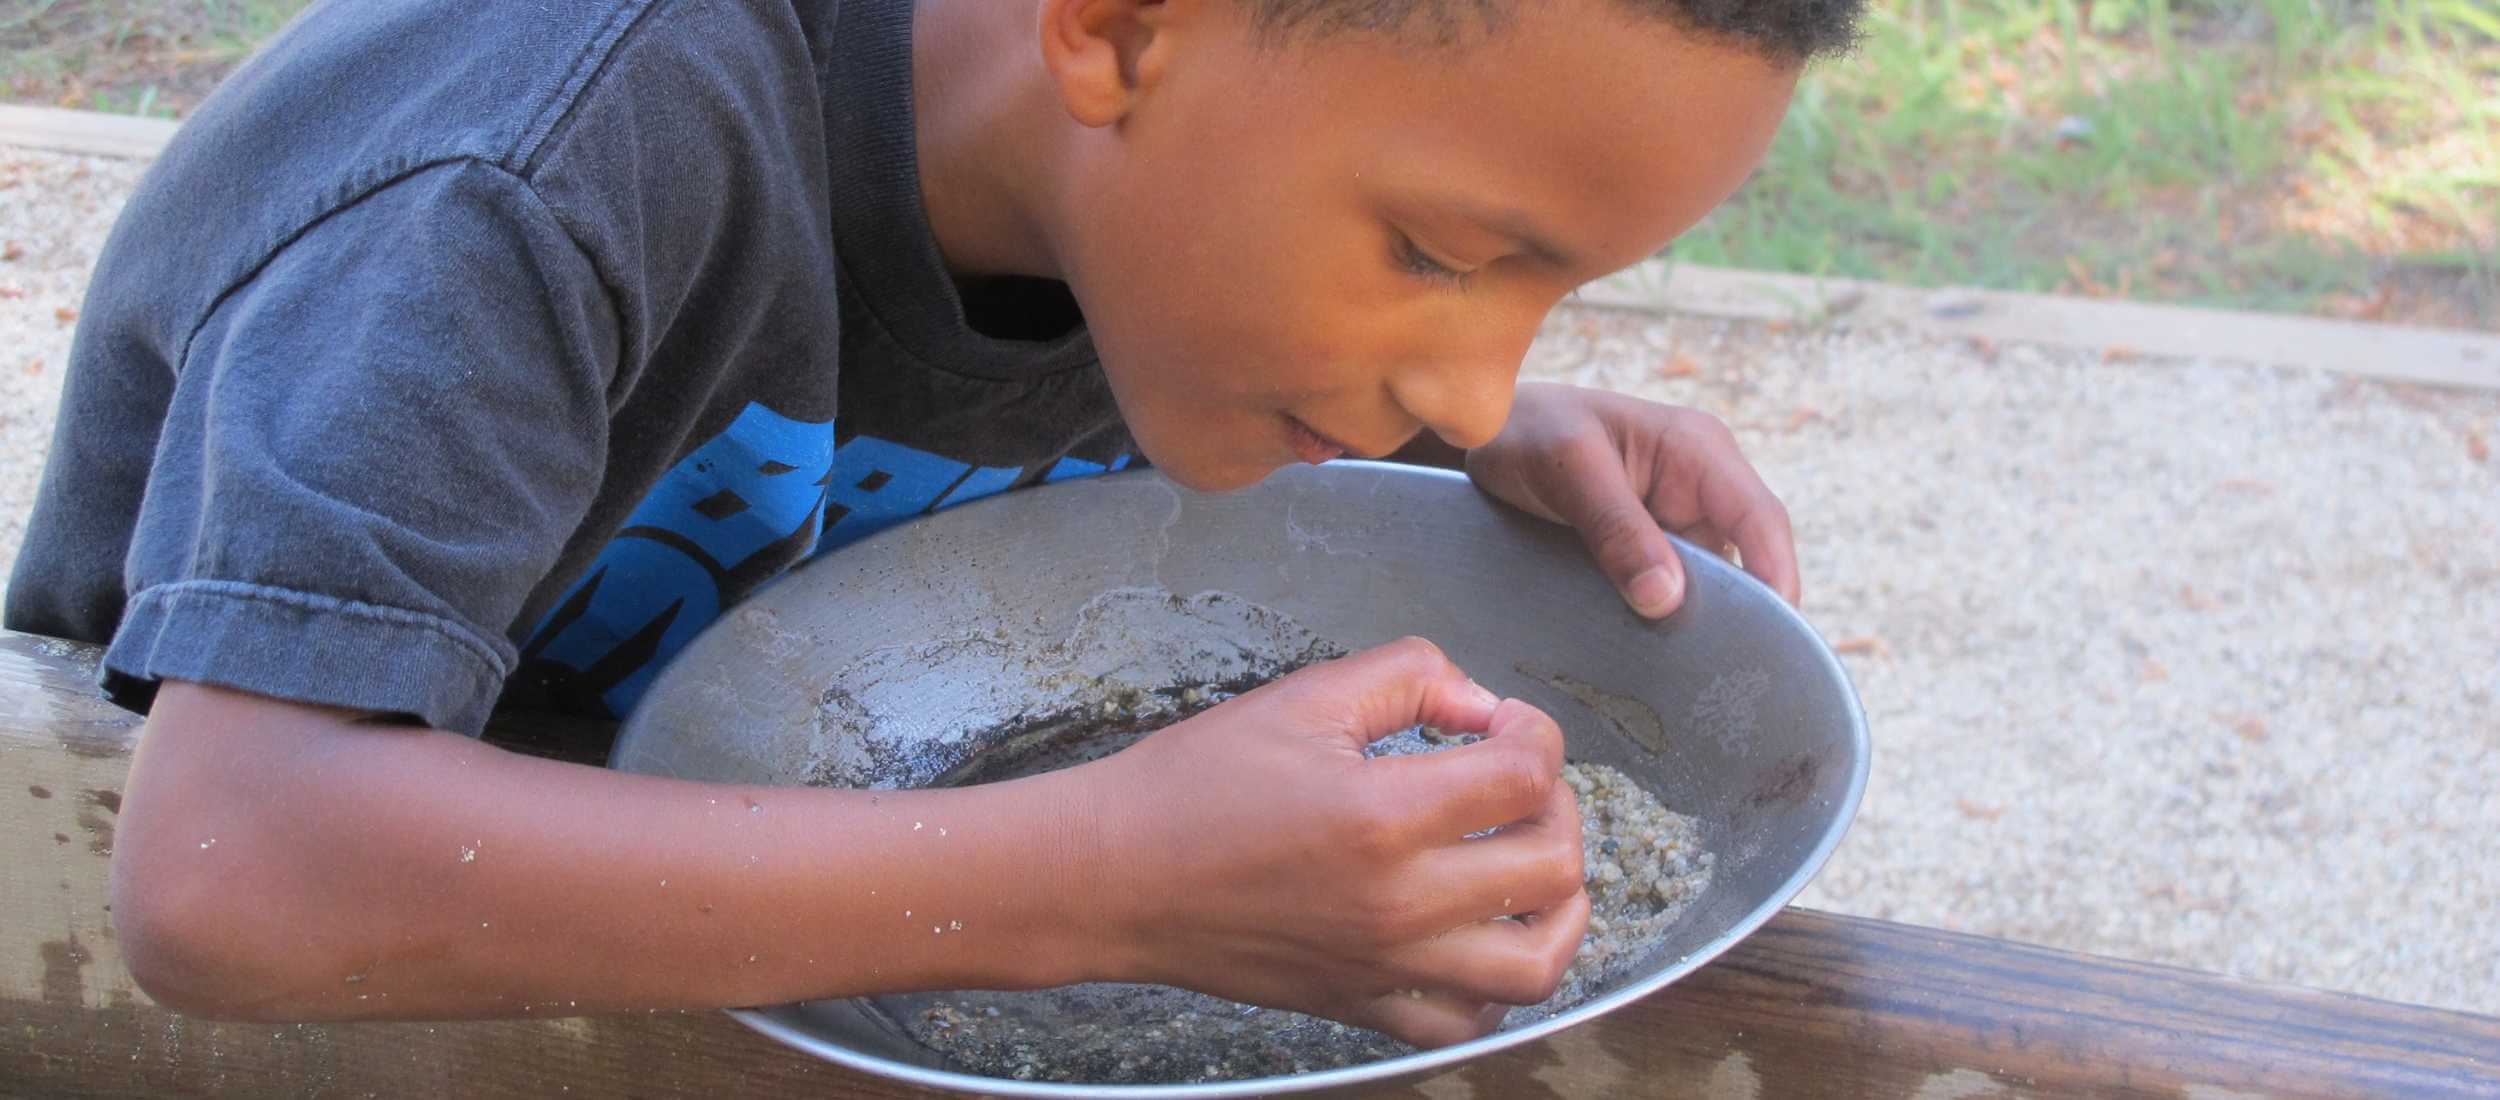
165	953
194	944
209	929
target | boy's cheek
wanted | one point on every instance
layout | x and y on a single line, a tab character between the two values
1185	431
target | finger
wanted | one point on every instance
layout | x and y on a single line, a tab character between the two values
1429	1019
1379	691
1616	524
1507	777
1512	962
1737	506
1528	867
1768	548
1708	539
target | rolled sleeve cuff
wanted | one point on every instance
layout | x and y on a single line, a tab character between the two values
308	648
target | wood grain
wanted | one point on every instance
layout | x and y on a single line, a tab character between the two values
1812	1006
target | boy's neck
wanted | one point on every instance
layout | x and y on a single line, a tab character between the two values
988	126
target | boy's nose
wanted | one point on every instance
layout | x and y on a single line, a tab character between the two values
1464	398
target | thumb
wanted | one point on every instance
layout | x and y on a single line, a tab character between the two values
1626	540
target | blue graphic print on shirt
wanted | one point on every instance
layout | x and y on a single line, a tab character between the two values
767	492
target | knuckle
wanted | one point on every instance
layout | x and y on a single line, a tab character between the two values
1555	966
1516	982
1619	528
1539	743
1774	513
1419	649
1541	975
1372	828
1520	977
1548	734
1520	780
1385	919
1563	874
1432	1032
1706	426
1569	825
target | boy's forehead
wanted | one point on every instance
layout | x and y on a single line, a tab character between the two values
1587	130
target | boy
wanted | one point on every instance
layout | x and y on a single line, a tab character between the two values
459	350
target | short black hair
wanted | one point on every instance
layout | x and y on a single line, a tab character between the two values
1787	30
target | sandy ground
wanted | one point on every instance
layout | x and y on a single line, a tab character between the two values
2179	661
2185	662
54	211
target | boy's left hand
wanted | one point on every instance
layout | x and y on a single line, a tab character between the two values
1618	469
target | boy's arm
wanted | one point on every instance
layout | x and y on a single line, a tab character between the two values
284	861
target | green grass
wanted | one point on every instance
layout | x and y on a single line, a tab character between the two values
2310	155
2282	154
147	57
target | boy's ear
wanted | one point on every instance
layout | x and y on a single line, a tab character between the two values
1102	54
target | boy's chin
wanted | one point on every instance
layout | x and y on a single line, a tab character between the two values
1214	477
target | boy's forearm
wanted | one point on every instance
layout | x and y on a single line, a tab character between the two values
361	871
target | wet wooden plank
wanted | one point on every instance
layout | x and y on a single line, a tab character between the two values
1813	1006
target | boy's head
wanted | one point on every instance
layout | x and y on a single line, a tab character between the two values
1352	215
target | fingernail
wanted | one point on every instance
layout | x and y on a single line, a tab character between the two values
1482	696
1653	593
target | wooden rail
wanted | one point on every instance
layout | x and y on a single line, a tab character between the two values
1813	1006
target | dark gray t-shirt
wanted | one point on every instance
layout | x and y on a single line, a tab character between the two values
457	345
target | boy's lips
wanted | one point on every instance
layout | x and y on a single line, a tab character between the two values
1310	446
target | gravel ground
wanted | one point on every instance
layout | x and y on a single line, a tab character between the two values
2180	661
54	211
2186	662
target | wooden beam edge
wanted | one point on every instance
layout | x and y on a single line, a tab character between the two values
87	133
1817	1006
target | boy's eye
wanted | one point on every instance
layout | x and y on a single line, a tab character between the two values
1413	260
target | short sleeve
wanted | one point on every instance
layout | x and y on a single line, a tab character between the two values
377	446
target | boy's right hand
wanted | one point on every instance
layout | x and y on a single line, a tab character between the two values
1254	853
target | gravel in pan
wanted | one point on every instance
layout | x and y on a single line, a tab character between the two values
1643	865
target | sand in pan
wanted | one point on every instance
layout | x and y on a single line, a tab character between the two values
1643	865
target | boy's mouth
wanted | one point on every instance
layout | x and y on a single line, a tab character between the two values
1310	446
